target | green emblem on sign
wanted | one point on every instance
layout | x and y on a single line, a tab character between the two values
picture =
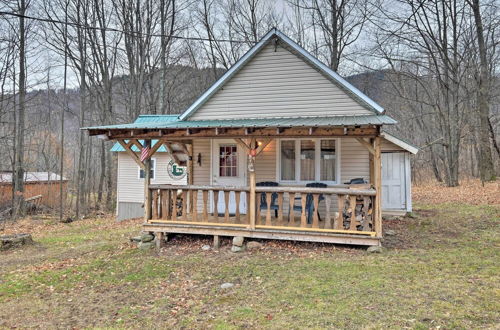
175	171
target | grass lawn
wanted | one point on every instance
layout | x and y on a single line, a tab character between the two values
440	270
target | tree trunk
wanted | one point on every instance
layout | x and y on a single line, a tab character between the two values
486	168
18	178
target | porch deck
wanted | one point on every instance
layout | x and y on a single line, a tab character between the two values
281	213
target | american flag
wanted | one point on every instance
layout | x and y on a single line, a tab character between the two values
145	151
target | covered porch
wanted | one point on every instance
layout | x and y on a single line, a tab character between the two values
332	212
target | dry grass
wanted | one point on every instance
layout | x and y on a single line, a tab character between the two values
470	191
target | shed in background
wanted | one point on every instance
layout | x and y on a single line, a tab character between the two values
46	184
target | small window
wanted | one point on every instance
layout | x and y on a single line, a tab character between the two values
228	160
152	170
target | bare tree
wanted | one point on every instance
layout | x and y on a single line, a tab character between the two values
486	168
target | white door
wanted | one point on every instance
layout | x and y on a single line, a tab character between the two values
229	169
393	181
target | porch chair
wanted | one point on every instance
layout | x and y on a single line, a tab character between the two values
309	201
274	196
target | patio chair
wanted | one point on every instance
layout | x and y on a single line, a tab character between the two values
309	200
274	196
356	181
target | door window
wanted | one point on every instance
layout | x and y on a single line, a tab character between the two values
228	160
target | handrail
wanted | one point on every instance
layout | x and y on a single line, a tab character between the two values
195	187
287	189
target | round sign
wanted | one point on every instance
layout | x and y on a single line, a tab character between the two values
175	171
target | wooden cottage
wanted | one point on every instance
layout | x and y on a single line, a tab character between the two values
280	147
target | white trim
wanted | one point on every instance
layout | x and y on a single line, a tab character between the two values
400	143
317	163
154	170
311	59
408	183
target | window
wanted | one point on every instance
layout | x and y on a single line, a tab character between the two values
228	160
308	160
288	160
152	171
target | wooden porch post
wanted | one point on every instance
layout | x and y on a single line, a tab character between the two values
251	173
377	181
147	182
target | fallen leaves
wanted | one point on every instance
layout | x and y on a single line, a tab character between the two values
470	191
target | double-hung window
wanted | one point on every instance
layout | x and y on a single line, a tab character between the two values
307	160
152	171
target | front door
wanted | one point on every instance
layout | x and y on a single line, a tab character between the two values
393	181
228	169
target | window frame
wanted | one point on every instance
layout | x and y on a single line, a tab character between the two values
317	162
139	169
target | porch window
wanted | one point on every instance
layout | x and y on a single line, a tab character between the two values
288	160
308	160
152	171
228	160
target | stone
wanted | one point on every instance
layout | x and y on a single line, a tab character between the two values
390	232
236	249
146	245
253	245
205	247
147	238
238	240
136	239
226	285
375	249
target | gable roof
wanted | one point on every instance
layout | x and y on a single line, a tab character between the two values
400	142
306	56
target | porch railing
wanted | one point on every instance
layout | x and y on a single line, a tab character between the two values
346	210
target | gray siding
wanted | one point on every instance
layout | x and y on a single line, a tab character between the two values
128	210
277	83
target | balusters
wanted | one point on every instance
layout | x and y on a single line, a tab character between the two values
237	195
315	223
205	205
164	204
154	204
194	205
303	217
328	217
268	211
226	206
174	204
339	223
215	193
280	208
291	217
184	205
258	201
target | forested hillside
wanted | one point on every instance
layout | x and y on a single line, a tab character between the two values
67	64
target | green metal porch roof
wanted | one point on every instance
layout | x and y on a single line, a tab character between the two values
158	123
